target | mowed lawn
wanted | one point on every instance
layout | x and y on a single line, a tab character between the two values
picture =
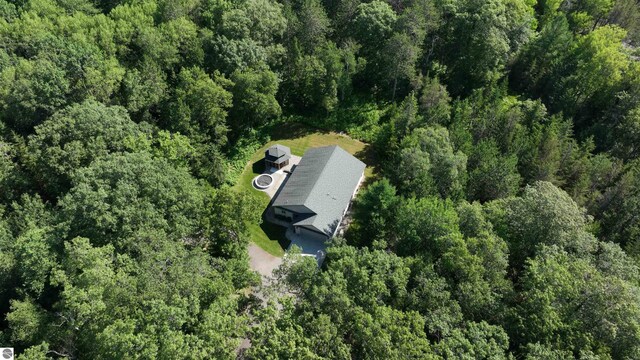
299	138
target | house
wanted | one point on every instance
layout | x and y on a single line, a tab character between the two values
317	194
277	156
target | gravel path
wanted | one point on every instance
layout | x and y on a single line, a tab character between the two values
262	262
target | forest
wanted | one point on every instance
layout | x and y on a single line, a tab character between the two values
503	220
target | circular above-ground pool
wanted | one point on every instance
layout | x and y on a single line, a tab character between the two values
263	181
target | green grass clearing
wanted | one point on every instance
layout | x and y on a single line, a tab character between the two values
299	138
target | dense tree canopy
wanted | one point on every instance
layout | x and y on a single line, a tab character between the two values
73	138
501	221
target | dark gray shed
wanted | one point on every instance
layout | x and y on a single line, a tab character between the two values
277	156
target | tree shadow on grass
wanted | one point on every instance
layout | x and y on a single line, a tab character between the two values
370	158
293	130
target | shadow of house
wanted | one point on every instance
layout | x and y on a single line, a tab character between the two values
275	233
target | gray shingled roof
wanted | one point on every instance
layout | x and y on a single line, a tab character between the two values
278	153
323	181
278	150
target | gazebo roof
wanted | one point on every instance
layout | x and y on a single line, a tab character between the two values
277	153
278	150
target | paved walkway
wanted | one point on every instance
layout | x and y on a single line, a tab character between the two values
279	176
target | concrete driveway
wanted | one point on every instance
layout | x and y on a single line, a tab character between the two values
308	247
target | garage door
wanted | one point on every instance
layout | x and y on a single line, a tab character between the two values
309	234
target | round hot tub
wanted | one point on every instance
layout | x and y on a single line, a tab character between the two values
263	181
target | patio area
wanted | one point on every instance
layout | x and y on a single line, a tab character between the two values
279	176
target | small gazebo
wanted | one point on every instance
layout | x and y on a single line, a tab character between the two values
277	156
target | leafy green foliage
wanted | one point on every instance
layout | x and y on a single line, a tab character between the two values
492	175
486	32
254	101
34	90
118	198
374	215
544	215
581	297
73	138
123	123
428	165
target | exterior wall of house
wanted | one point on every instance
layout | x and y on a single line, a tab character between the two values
350	203
281	212
310	234
358	186
270	164
290	212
